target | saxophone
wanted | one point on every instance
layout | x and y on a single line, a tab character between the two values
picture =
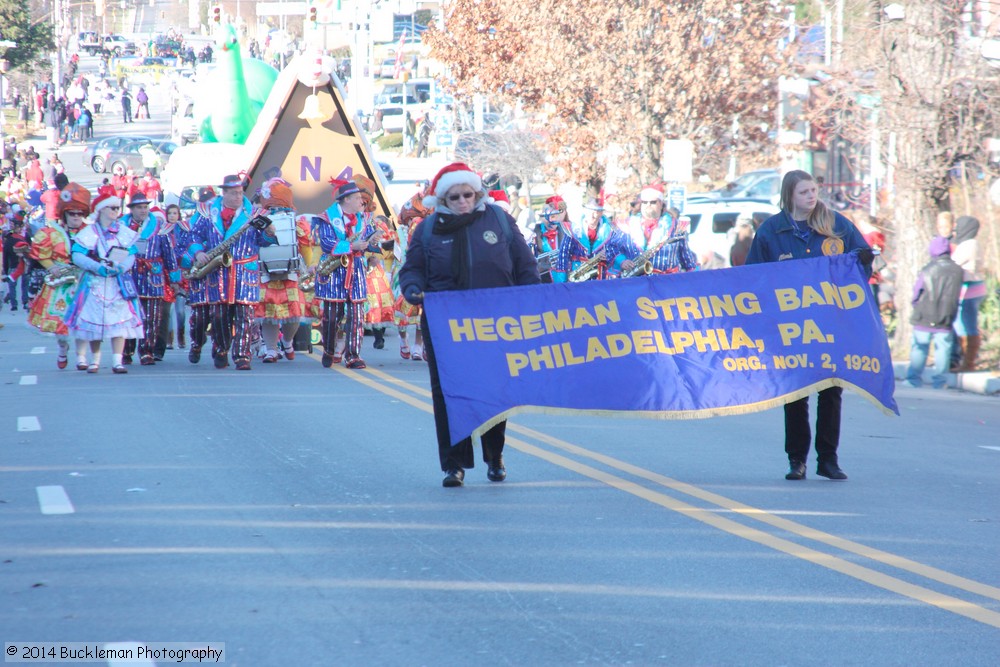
588	270
220	256
643	266
332	263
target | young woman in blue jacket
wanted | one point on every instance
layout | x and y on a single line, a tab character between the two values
806	228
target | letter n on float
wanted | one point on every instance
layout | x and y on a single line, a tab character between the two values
309	151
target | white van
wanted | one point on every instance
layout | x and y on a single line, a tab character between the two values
712	220
194	166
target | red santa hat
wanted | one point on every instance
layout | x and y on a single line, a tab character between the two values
500	198
457	173
652	192
104	201
556	202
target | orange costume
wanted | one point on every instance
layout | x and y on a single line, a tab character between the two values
51	246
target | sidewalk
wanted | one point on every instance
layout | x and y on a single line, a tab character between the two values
979	382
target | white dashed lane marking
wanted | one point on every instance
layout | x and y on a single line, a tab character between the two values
989	447
38	350
53	500
29	379
28	424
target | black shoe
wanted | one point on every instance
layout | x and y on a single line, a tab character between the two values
221	360
796	469
127	359
194	354
830	470
454	477
327	360
379	339
496	472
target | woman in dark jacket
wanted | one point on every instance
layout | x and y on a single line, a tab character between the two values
806	228
467	243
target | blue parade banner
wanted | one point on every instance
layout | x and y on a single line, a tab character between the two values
680	346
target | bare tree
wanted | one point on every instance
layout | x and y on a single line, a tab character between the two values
918	82
627	74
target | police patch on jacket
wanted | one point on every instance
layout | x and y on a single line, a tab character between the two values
490	236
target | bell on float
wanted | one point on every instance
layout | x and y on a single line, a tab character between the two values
311	110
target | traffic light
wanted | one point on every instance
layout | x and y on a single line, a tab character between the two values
217	14
312	15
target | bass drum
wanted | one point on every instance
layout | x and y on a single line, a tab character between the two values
282	260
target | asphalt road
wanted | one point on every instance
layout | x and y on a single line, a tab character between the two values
296	514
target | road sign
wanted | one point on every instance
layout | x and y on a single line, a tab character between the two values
676	195
444	138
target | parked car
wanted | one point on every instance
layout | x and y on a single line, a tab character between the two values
88	42
129	157
392	117
118	45
712	220
95	155
761	184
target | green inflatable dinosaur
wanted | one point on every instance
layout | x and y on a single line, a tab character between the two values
232	95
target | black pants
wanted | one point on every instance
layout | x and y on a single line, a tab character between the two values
354	332
198	322
797	434
152	315
461	455
232	325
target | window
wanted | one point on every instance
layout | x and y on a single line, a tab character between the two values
723	222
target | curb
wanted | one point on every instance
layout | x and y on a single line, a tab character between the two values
979	382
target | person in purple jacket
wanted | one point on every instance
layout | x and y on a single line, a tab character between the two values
465	243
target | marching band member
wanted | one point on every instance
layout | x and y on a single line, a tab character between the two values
155	265
550	232
106	303
283	305
653	227
407	314
344	234
380	299
173	297
594	238
196	299
379	307
51	248
232	290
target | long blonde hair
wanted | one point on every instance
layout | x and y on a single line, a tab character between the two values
821	218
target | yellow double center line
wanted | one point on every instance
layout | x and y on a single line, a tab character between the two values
408	393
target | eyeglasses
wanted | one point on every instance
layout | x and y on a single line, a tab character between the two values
464	195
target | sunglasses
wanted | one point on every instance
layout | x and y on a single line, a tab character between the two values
75	213
654	201
115	208
464	195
